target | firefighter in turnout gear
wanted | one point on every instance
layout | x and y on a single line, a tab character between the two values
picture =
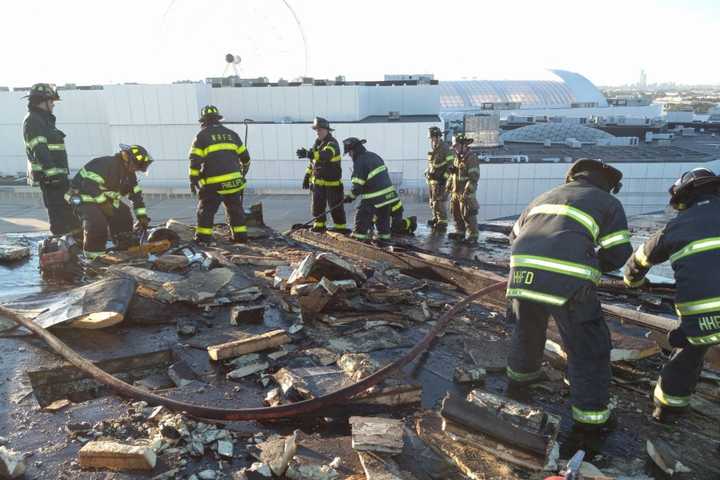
400	225
439	159
219	163
323	177
96	191
691	241
589	224
47	158
462	187
371	182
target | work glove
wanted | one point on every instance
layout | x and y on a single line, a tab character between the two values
306	182
302	153
143	221
348	199
677	338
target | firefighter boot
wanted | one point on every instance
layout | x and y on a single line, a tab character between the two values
457	236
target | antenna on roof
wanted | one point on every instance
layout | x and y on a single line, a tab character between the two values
234	61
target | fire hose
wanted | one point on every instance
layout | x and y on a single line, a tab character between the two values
260	413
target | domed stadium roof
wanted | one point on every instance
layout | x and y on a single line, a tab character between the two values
564	89
555	132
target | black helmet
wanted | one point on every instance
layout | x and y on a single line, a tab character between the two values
320	122
691	183
351	143
43	91
612	174
461	138
209	112
138	155
434	132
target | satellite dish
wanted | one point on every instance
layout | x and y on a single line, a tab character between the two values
233	59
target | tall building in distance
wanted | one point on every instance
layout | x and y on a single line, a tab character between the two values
643	80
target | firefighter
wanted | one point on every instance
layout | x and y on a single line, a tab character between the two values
371	182
219	163
691	241
323	177
96	191
439	159
47	158
547	281
400	225
462	186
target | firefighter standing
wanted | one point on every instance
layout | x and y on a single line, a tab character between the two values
219	163
546	281
323	176
371	182
96	191
691	241
462	187
48	164
439	159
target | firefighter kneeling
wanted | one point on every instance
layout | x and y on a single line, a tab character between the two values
96	191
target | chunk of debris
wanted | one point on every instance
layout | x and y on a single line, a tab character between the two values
257	260
282	275
664	457
11	253
391	393
185	232
58	405
310	471
322	356
116	456
186	328
247	314
380	467
181	374
302	289
276	452
357	365
170	263
252	344
225	448
315	301
207	474
519	414
247	370
317	266
469	375
377	434
379	338
260	469
157	381
198	287
273	397
12	464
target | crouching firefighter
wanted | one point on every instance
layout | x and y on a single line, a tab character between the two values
96	191
371	182
691	241
589	223
47	158
439	159
400	225
462	186
219	163
323	177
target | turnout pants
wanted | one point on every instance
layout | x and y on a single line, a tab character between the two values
679	377
60	214
208	204
464	210
586	340
367	215
398	224
438	199
324	198
98	219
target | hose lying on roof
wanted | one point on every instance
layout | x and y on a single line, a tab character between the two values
262	413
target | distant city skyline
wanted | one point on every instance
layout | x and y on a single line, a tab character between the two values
95	42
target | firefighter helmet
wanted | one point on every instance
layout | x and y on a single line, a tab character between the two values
691	183
209	112
43	91
434	132
320	122
138	155
351	143
612	174
461	138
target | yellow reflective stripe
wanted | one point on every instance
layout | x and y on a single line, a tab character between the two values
336	158
360	236
388	202
615	238
535	296
204	230
449	157
92	176
55	171
308	170
92	255
641	258
379	193
326	183
142	211
670	400
56	146
90	199
241	149
633	284
340	225
240	229
576	214
358	181
319	224
221	178
220	147
316	155
397	207
113	195
198	152
137	189
36	167
376	171
698	246
522	377
331	148
595	417
572	269
706	305
384	236
35	141
194	172
231	190
711	339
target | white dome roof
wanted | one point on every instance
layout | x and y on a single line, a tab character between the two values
555	132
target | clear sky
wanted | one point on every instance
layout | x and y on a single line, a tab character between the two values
157	41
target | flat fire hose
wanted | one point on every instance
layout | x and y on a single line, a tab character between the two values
262	413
